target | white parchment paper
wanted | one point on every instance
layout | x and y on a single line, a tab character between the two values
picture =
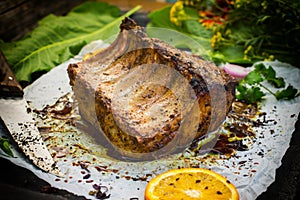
251	171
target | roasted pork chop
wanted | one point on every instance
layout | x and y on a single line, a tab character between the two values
147	97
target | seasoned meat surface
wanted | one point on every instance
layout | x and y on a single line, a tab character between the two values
144	95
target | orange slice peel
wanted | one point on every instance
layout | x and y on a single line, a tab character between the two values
190	183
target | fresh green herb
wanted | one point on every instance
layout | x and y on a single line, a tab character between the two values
253	77
266	30
269	75
242	32
186	20
249	89
289	93
58	38
249	94
4	145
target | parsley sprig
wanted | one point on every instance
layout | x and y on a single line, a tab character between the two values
249	88
5	146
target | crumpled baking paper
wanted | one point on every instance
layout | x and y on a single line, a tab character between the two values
250	171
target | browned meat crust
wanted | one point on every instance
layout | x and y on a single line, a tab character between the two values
153	115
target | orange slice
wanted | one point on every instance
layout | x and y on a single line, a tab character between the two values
190	183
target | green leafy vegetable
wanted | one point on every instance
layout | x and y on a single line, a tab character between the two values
265	29
270	75
243	32
58	38
250	95
249	89
253	77
189	27
289	93
4	145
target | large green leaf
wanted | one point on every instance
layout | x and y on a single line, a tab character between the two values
58	38
190	28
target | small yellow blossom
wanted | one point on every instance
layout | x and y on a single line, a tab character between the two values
264	5
217	37
213	41
177	13
248	50
270	58
227	32
237	3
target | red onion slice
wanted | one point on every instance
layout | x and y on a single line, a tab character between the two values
236	70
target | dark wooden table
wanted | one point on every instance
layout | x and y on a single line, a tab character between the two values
20	16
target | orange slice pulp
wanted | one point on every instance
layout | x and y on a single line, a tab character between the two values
190	183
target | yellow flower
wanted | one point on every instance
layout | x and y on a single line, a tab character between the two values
213	41
237	4
270	58
228	32
248	49
217	37
248	52
264	5
177	13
